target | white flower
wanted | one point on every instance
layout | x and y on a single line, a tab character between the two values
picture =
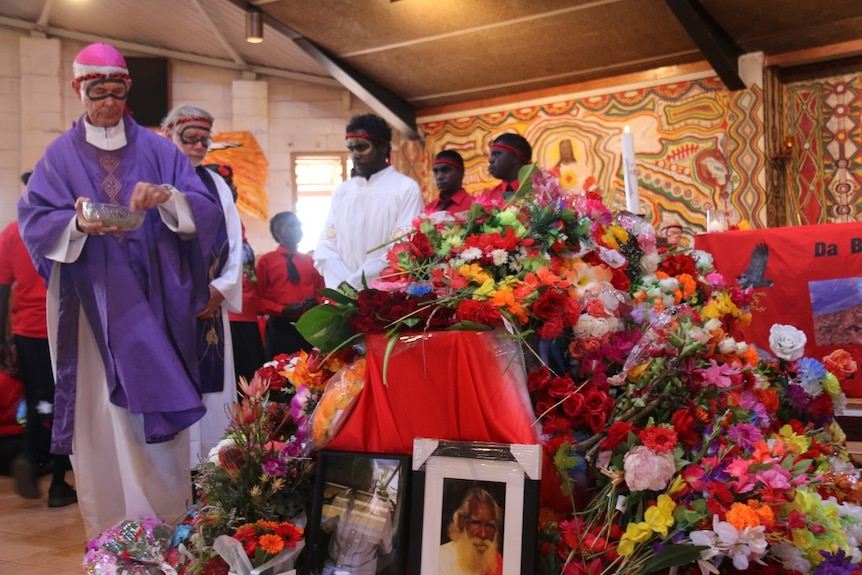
741	348
647	470
212	457
612	257
712	325
703	260
727	346
471	254
649	263
584	327
601	326
668	285
610	298
791	557
499	257
740	545
787	342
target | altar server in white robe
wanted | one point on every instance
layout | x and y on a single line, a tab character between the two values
368	211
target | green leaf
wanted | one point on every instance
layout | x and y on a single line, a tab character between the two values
469	326
325	326
392	337
672	555
337	296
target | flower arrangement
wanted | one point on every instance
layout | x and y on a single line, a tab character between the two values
133	548
670	443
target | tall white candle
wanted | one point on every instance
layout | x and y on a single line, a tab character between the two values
629	172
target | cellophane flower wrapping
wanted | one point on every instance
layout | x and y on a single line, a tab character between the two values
336	402
133	548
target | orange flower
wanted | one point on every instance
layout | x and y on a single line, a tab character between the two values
741	516
272	544
764	512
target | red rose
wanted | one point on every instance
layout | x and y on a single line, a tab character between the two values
551	304
596	401
573	405
597	421
561	387
551	329
573	312
686	426
421	246
538	378
617	434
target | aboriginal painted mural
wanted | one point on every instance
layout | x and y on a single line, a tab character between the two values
824	173
698	147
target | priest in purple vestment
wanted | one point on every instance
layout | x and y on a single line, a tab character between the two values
122	300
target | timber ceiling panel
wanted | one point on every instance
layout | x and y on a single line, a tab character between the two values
410	56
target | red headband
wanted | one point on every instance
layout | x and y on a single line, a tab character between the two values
365	136
450	162
516	151
182	121
97	76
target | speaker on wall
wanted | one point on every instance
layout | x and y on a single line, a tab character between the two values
150	93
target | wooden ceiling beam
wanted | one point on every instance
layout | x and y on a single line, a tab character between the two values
716	45
399	113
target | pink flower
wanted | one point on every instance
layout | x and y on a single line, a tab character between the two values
648	470
775	477
717	375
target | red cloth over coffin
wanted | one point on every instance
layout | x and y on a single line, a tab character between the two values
455	385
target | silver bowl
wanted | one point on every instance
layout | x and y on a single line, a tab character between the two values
113	215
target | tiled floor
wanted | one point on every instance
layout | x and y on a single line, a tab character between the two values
36	540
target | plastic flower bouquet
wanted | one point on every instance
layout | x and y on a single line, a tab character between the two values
261	545
133	548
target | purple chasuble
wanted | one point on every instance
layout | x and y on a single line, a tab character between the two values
211	329
140	291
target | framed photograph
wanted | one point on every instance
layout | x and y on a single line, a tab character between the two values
474	508
358	523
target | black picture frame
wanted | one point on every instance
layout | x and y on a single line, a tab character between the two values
445	471
365	492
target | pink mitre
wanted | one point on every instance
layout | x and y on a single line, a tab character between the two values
99	59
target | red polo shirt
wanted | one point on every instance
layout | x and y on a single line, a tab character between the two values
494	196
28	288
461	202
274	290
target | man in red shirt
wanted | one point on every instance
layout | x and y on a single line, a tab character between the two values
509	153
19	278
448	168
287	285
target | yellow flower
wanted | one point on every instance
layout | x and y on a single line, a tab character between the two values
635	533
474	272
677	485
797	443
485	290
660	516
831	384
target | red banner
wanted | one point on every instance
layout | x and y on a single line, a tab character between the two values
809	277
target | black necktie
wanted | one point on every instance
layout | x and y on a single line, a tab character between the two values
292	272
443	204
509	187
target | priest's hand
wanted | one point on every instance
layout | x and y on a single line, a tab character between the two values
91	228
146	196
213	306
